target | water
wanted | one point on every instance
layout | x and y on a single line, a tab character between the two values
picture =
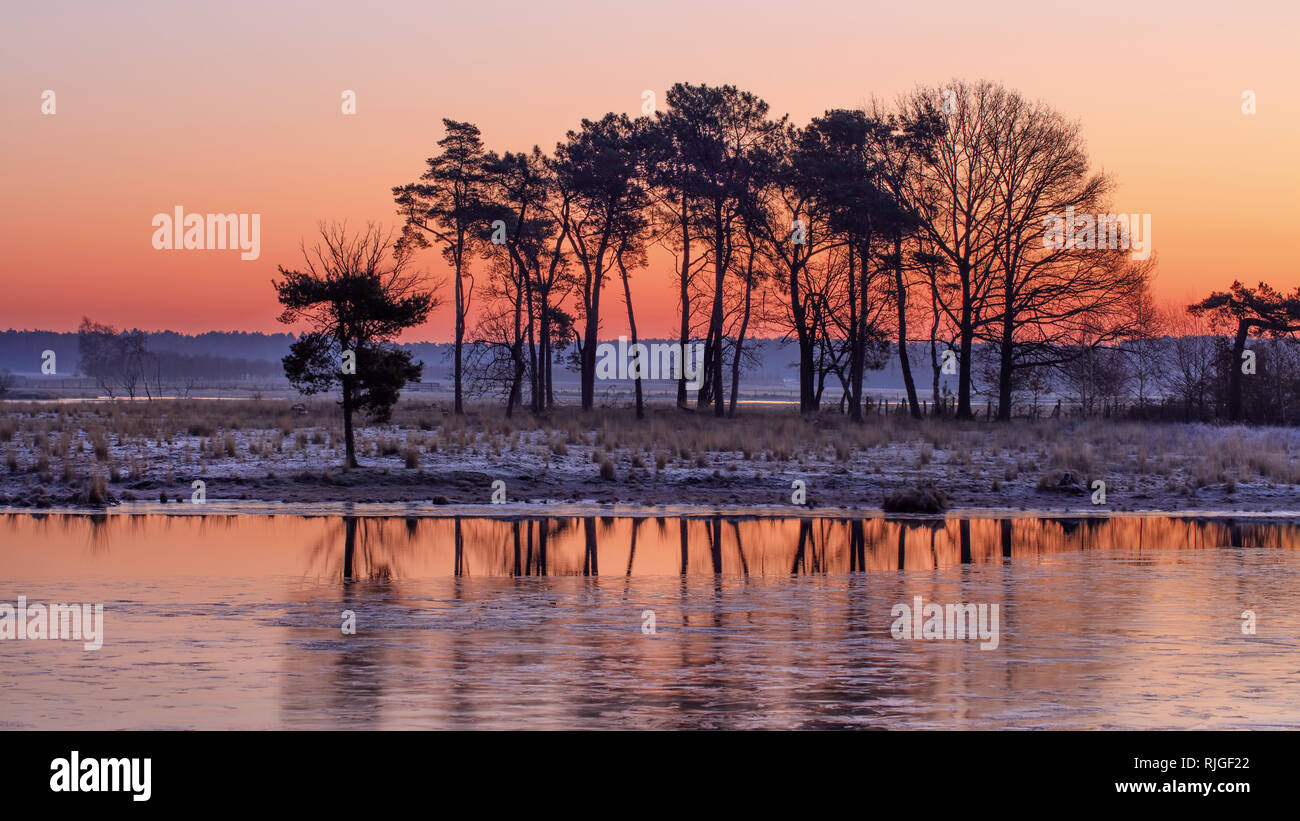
234	622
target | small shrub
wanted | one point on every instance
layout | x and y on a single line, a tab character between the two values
1060	482
96	491
925	499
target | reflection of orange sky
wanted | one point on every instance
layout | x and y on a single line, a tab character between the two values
234	107
72	546
233	621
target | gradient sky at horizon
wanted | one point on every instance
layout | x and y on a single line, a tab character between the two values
235	107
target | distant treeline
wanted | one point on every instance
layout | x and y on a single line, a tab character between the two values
233	354
1174	377
212	355
230	355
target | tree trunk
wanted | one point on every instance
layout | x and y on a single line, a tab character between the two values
806	368
1006	365
591	302
349	443
1234	372
904	362
1006	370
705	393
544	355
719	275
686	300
967	345
856	330
589	362
631	324
744	326
534	380
934	343
517	357
804	334
460	325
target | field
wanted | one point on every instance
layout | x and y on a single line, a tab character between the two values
101	453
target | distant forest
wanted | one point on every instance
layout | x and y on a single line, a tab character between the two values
212	355
234	355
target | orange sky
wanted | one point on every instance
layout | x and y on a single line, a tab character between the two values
235	107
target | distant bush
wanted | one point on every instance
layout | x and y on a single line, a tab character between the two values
925	499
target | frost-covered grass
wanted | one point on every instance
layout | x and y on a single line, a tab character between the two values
74	445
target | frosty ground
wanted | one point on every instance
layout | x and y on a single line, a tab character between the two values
94	454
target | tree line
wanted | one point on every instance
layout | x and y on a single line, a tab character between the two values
935	218
842	235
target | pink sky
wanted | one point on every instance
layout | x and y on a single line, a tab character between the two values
235	107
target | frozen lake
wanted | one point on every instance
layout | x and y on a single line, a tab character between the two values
712	621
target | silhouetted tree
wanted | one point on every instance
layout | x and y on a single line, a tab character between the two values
674	217
719	131
1254	310
1041	295
523	198
1188	367
600	166
792	239
116	359
841	158
356	295
447	206
953	192
99	353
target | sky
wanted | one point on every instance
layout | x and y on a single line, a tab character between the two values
235	107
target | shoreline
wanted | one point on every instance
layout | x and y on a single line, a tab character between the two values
550	509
